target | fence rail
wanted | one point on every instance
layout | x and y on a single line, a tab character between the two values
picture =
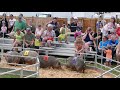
52	49
23	66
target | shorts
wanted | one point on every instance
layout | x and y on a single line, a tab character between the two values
62	37
90	42
50	39
108	60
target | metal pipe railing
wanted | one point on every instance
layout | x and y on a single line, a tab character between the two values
107	71
22	68
9	71
31	75
110	59
37	65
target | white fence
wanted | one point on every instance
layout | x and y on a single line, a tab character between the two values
52	49
23	67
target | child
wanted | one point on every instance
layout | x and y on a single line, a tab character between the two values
37	42
3	30
78	30
108	56
63	35
77	33
79	45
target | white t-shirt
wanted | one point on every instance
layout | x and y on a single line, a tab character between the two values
38	32
48	34
104	31
12	21
4	29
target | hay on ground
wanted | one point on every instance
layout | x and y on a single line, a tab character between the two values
64	73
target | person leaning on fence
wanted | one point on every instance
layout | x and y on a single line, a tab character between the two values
48	36
18	38
29	38
3	30
104	43
79	46
108	53
113	42
102	46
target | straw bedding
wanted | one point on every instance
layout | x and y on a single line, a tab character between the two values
63	73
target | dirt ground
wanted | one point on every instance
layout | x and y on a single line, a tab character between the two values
64	73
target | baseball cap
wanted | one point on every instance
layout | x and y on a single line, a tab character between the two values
28	29
20	17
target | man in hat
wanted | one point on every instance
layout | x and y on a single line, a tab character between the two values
29	38
23	19
20	24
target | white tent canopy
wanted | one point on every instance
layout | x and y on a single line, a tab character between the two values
64	14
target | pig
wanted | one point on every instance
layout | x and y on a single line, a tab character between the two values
12	59
76	64
28	60
50	61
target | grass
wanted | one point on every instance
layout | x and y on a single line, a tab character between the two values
9	76
106	68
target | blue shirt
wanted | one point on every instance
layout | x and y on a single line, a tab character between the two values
113	42
104	44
